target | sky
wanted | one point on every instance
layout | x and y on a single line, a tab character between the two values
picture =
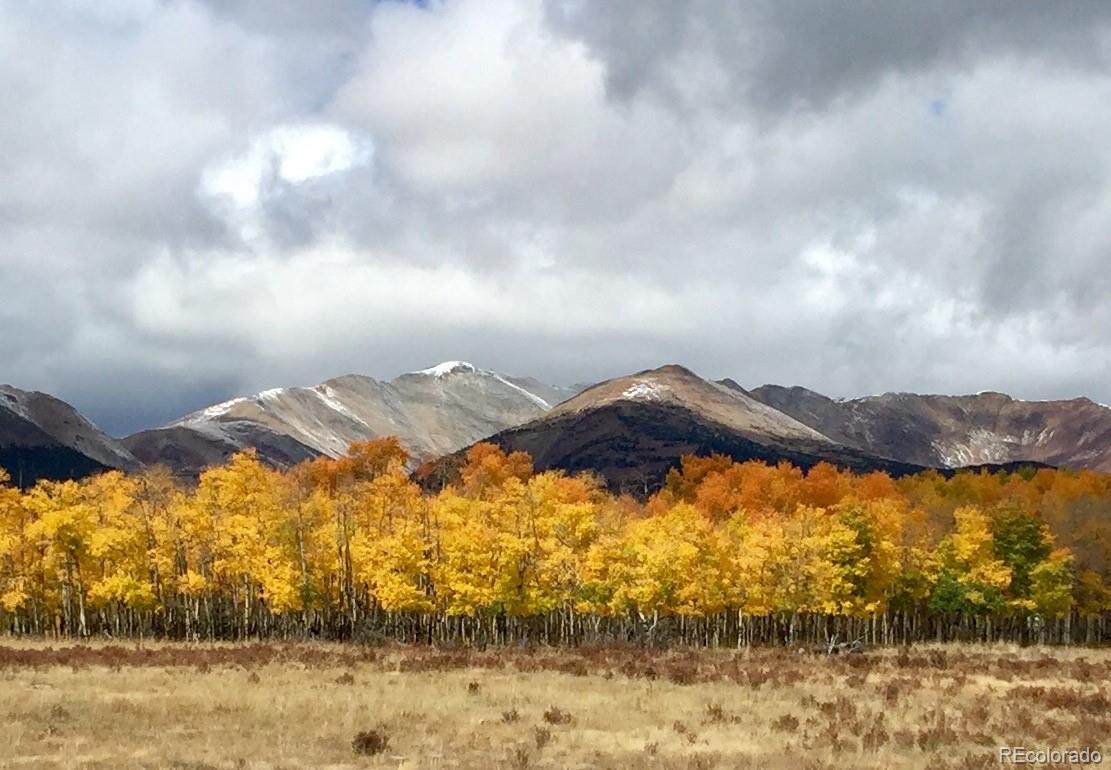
206	199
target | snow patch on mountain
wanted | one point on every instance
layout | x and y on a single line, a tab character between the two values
209	413
645	390
446	368
13	402
982	446
331	400
531	396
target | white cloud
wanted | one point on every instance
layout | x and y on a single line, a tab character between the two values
281	158
295	153
480	100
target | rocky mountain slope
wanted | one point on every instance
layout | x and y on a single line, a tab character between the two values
188	449
433	411
632	430
955	431
43	437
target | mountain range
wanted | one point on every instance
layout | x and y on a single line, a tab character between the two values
630	430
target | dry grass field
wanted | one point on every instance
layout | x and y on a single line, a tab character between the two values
293	706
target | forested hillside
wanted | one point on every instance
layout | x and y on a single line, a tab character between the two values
725	553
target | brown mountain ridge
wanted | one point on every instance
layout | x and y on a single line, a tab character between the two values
955	431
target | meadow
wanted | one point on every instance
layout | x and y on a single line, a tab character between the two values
268	705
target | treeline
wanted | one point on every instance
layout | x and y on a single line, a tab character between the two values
724	554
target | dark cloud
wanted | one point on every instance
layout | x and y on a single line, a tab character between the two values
781	54
204	199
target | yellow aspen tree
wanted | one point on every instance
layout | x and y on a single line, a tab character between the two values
669	563
313	537
62	528
389	549
118	547
751	543
16	552
562	516
1051	582
872	558
155	492
971	579
243	501
468	572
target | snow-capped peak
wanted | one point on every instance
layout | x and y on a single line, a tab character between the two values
448	367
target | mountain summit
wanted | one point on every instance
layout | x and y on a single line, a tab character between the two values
433	411
678	386
446	368
632	430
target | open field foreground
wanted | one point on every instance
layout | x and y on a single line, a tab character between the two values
291	706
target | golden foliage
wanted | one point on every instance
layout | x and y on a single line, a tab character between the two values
354	538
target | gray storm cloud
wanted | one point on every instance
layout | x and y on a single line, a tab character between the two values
199	200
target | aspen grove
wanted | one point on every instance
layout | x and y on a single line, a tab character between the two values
724	553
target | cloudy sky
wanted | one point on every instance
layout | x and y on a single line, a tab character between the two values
199	200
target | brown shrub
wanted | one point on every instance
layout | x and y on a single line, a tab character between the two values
520	758
573	666
937	734
715	714
703	761
1066	699
904	738
831	737
841	710
370	742
891	692
979	712
788	723
557	716
634	670
875	736
757	677
682	673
